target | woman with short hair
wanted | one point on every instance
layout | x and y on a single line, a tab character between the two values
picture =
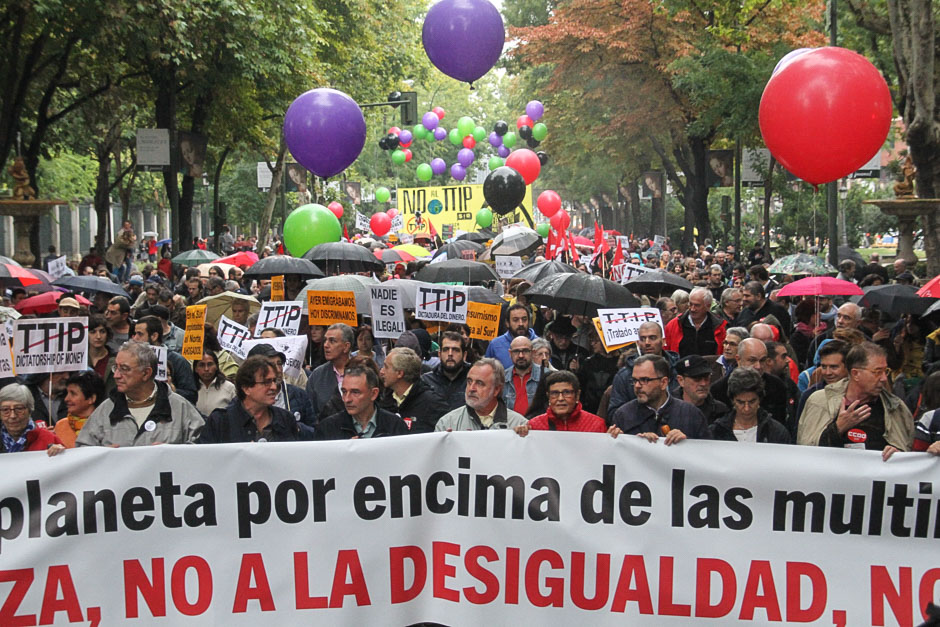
84	391
747	422
18	432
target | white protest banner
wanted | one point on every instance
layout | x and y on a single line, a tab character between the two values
508	265
281	314
621	325
57	267
659	240
441	303
388	315
50	345
487	531
623	272
398	223
232	335
6	354
292	347
162	370
362	223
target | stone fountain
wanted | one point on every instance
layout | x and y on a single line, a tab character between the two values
25	209
907	208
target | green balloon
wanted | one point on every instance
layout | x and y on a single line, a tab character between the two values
485	218
479	133
424	172
398	157
382	194
419	131
509	140
539	131
542	228
309	225
455	137
465	126
496	162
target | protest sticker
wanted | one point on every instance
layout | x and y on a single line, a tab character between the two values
277	288
195	332
292	347
329	307
483	320
620	326
57	267
388	314
281	314
600	334
441	303
6	354
508	265
50	345
362	223
623	272
162	370
232	335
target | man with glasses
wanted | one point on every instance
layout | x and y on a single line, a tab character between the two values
484	409
149	330
859	412
361	417
649	342
522	378
655	413
752	353
728	360
289	397
730	305
140	411
564	408
326	379
253	416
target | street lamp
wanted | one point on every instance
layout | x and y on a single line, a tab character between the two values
843	193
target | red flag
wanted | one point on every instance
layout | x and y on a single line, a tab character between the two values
550	245
345	233
618	255
600	244
431	229
572	249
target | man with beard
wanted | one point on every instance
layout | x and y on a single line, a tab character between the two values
449	378
649	342
523	378
778	364
758	306
484	409
695	380
519	326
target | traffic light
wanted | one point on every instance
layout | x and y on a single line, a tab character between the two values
409	110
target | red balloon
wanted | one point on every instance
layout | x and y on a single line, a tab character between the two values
395	130
380	224
439	112
469	142
405	145
524	120
549	203
391	213
824	113
336	208
526	163
560	221
407	155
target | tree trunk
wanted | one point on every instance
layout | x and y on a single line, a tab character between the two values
164	80
272	197
696	197
768	194
218	208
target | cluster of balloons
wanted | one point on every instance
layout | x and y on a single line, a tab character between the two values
325	131
463	38
309	225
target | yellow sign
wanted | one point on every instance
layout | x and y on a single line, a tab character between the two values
450	204
483	320
195	332
277	288
600	334
327	307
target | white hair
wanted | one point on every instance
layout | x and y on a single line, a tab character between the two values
705	293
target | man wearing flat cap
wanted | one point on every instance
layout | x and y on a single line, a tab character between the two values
566	355
693	374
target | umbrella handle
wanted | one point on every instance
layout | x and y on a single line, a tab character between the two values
527	216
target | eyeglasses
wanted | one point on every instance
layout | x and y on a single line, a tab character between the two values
645	380
267	382
558	393
122	369
9	411
521	350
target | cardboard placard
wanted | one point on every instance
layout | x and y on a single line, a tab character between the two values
469	255
483	320
195	332
232	335
58	268
600	333
362	223
508	265
623	272
398	223
441	303
293	349
50	345
620	326
329	307
388	314
277	288
282	314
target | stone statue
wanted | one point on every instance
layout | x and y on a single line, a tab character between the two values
22	190
905	187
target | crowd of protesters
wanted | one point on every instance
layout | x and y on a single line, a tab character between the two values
733	361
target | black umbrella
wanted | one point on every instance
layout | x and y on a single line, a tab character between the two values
456	271
657	283
336	257
478	294
480	237
847	252
276	265
88	283
580	294
517	240
894	299
537	271
454	250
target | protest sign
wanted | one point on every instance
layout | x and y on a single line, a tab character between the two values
469	254
508	265
283	314
440	303
623	272
162	370
57	267
362	223
293	348
483	320
398	223
487	531
659	240
277	287
232	335
329	307
620	326
50	345
195	332
388	315
6	354
600	334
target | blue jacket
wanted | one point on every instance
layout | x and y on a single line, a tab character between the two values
509	390
634	418
499	348
622	387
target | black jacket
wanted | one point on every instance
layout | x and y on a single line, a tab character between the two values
235	424
595	375
421	409
340	426
623	381
777	400
300	407
768	429
41	407
451	391
712	409
634	418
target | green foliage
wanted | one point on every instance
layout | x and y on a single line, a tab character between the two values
68	176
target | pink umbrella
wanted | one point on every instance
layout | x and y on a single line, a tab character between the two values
820	286
241	258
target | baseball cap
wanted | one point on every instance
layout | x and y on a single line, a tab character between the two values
266	350
68	301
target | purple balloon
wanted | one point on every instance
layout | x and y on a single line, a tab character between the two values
502	151
534	109
458	172
440	133
325	131
495	140
405	137
465	157
430	120
463	38
438	165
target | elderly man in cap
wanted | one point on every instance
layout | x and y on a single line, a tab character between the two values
68	307
484	409
141	410
694	377
289	397
566	355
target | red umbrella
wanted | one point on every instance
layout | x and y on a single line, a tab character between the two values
580	240
11	275
820	286
46	303
931	289
390	255
241	258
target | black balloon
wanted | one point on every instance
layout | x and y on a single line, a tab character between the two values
543	157
395	96
392	140
504	189
525	131
500	128
532	142
383	143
